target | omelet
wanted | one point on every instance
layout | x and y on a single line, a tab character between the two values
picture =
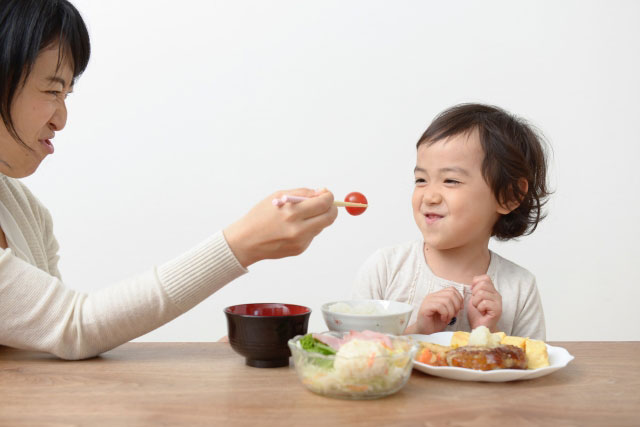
459	339
537	356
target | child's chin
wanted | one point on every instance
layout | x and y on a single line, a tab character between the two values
437	244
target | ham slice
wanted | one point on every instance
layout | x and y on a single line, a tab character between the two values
336	343
372	336
331	341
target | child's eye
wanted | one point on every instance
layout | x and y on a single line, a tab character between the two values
451	181
420	181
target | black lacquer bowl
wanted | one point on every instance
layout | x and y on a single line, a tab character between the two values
260	331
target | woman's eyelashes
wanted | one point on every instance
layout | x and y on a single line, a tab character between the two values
58	94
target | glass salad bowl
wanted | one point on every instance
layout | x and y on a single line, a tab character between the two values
353	365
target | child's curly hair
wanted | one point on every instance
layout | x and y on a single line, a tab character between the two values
513	150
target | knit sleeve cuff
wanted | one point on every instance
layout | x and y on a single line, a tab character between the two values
198	273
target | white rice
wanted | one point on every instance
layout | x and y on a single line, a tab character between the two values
363	309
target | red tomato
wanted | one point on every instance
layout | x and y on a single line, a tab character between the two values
355	197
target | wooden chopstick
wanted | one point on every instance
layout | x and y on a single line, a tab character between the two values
296	199
349	204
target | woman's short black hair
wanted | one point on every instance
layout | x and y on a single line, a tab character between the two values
26	28
513	149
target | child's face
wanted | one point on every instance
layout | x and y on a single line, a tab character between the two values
453	206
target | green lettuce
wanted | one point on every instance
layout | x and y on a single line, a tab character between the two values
312	345
309	343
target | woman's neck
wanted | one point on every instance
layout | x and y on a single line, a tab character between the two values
458	264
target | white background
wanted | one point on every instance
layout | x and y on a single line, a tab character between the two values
190	112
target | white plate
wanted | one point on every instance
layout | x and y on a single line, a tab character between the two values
558	358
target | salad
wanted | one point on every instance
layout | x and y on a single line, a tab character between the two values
354	365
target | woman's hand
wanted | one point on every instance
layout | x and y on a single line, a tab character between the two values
436	311
269	232
485	305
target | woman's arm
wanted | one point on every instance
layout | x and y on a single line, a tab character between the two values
38	312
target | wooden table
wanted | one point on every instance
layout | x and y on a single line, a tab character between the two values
209	384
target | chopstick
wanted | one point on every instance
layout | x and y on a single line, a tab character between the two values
349	204
297	199
466	291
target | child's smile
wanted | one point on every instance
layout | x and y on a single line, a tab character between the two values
452	204
432	218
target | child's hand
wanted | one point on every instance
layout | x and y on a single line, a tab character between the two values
437	310
485	305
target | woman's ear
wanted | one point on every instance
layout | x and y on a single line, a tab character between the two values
514	202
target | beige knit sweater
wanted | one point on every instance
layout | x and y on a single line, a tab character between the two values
401	273
38	312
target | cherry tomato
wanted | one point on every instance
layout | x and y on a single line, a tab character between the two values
355	197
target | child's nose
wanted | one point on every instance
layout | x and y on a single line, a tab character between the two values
431	197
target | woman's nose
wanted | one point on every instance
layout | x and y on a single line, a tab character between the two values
59	118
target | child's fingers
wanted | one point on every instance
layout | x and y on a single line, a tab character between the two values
452	298
440	306
445	311
484	287
448	293
481	281
445	304
482	295
488	306
480	278
453	303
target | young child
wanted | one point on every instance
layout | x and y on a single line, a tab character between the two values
480	172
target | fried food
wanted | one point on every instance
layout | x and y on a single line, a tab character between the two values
517	341
432	354
487	359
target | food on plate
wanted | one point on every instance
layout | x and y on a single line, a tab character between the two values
459	339
484	350
433	354
482	337
537	356
357	365
355	197
487	358
517	341
363	309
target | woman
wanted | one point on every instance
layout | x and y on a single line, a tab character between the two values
44	47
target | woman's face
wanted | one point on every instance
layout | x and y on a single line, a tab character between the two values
38	112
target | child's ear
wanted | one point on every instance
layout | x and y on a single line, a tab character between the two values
509	206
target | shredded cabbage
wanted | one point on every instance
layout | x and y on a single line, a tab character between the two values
361	368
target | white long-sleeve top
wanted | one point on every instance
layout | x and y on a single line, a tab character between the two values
400	273
37	311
